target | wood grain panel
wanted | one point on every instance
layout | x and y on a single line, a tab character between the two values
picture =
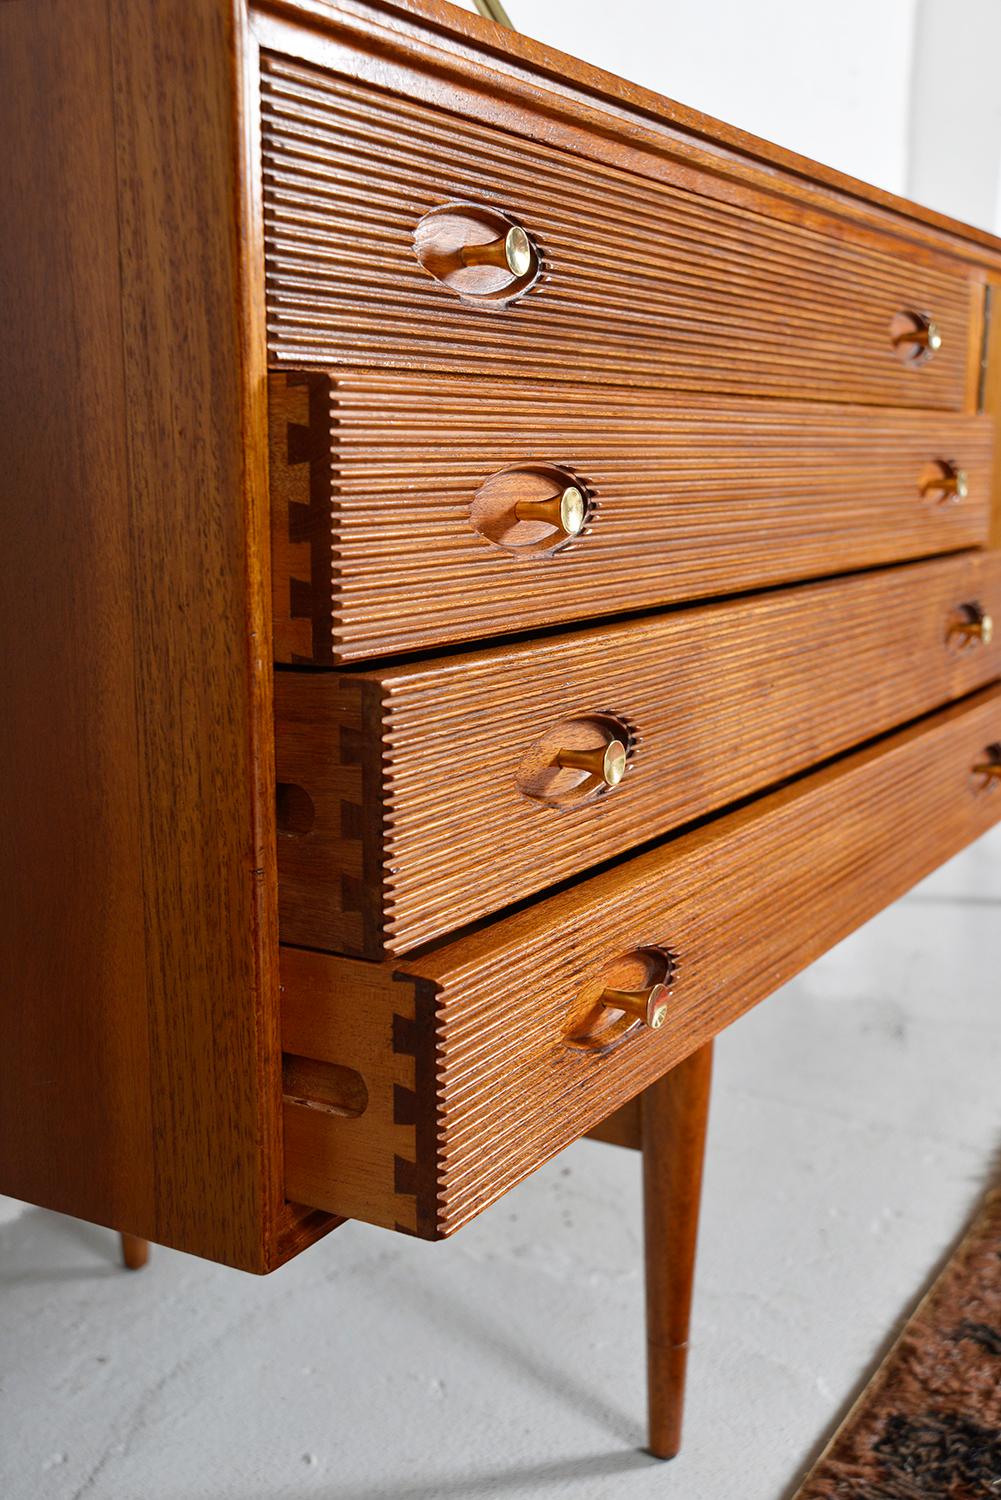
421	821
140	1077
642	283
744	902
373	480
75	1115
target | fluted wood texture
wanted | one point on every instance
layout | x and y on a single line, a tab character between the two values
643	283
745	902
421	824
373	478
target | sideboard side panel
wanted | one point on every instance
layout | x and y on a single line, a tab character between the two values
197	497
75	1112
140	1079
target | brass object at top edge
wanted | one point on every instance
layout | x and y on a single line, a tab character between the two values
493	10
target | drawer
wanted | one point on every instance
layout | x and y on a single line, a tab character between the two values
410	513
416	799
402	235
418	1092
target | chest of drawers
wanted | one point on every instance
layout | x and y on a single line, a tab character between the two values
501	574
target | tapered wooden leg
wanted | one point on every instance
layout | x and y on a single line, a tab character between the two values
135	1252
674	1114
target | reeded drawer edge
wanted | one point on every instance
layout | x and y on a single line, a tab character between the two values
415	800
470	1074
384	542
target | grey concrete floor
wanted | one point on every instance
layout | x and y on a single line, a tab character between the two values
856	1117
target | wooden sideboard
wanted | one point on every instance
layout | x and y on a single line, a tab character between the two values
500	574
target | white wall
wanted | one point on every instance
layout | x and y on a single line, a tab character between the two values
955	135
831	81
901	93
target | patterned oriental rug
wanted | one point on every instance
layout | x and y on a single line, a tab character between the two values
928	1424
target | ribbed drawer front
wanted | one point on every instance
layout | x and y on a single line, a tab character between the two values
433	794
641	283
389	534
472	1056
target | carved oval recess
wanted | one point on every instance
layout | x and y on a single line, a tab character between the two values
915	337
328	1087
541	776
478	253
295	812
944	481
597	1028
529	487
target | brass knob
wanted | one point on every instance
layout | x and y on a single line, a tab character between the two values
990	768
974	627
955	483
648	1006
512	252
566	511
948	482
928	335
924	333
607	762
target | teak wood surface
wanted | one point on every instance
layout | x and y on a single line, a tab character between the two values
624	1127
139	1061
674	1113
433	798
741	903
444	53
387	537
641	283
140	1065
